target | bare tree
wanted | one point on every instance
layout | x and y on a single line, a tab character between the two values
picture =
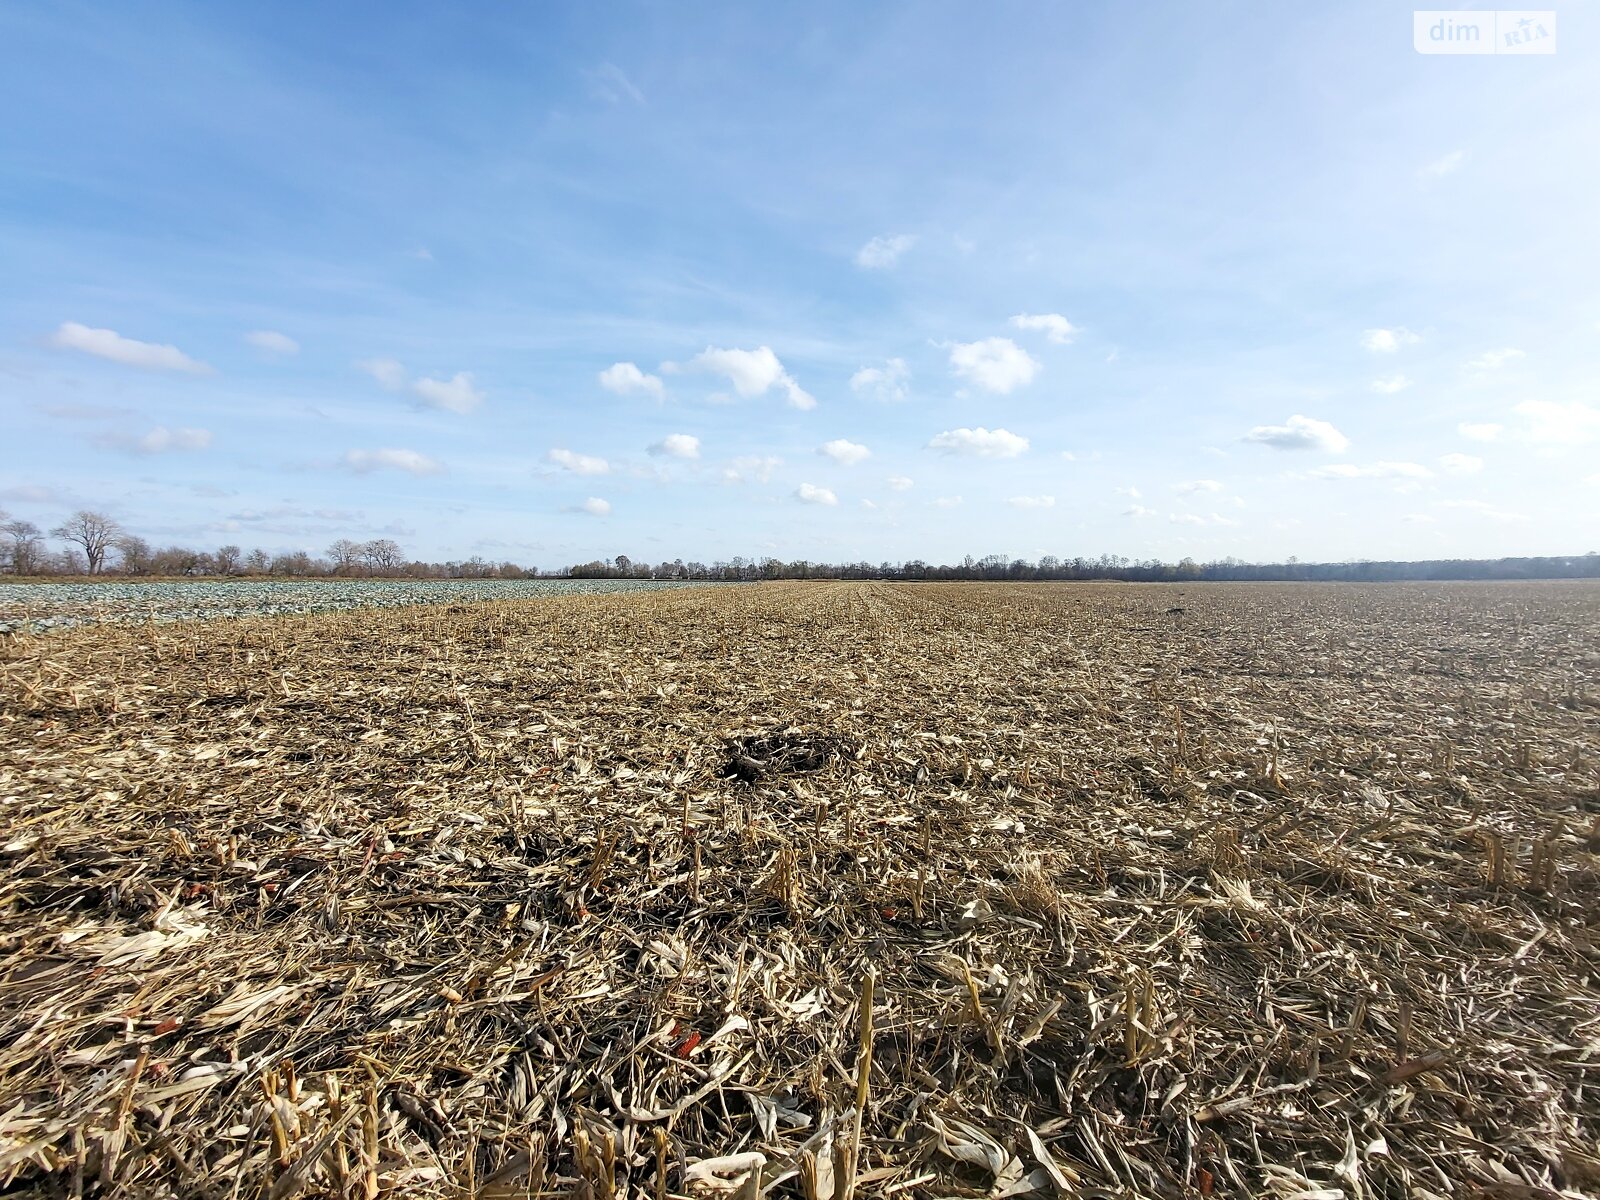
94	531
346	555
22	552
136	555
226	559
383	554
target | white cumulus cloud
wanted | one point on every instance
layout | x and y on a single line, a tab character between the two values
391	459
995	364
626	379
1139	511
1487	431
1032	501
677	445
273	342
579	464
595	507
947	502
883	252
1300	433
887	383
112	346
899	483
752	373
1388	385
1053	325
980	443
843	452
1387	341
808	493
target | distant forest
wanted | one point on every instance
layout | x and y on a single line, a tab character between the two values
1107	566
92	543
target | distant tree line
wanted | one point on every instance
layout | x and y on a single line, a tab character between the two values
1106	566
95	544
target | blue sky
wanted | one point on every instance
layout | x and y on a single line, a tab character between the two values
825	281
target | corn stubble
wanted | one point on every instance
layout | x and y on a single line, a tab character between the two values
820	890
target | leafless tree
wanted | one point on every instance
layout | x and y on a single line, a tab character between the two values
136	555
346	555
94	531
383	554
23	541
226	559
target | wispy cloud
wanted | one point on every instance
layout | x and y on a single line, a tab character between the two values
1198	485
1554	423
751	468
1461	464
113	347
899	483
610	83
1493	360
808	493
1486	431
1378	470
884	252
273	342
579	464
386	371
1388	385
1446	164
1388	341
1484	509
888	383
1032	501
391	459
159	440
455	394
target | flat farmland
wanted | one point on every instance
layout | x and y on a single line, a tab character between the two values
42	607
811	889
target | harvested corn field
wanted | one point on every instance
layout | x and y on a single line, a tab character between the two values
811	889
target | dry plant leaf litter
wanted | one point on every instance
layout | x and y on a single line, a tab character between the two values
811	889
